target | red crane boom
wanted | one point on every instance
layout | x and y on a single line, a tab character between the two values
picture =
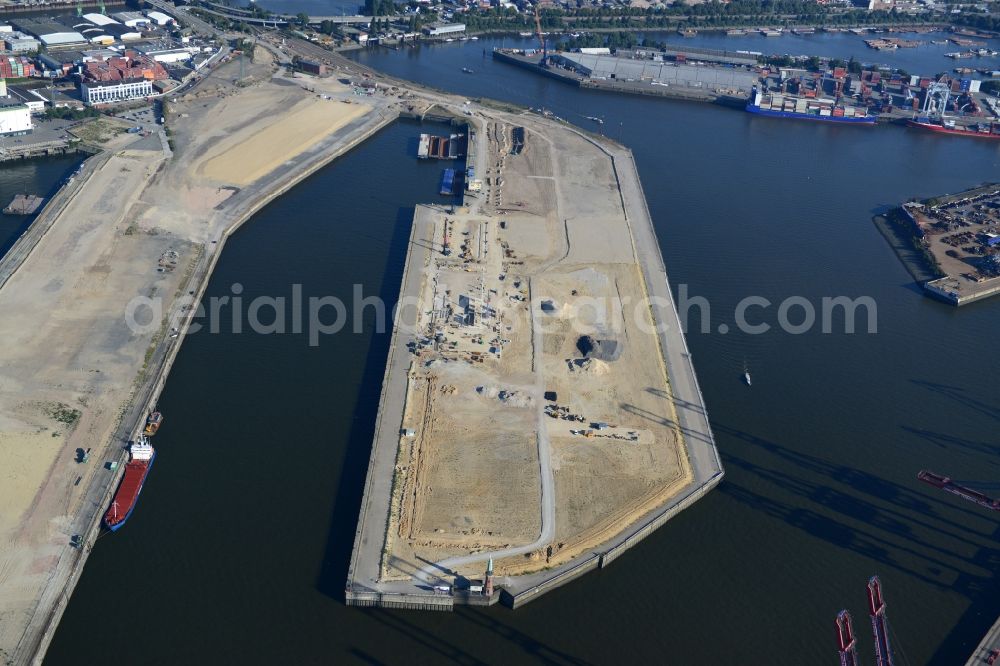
880	625
847	645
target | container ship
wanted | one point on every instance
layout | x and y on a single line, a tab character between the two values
779	105
945	126
141	456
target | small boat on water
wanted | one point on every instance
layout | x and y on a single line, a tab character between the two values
746	375
468	71
153	422
599	121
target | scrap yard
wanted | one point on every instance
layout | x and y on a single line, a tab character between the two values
959	235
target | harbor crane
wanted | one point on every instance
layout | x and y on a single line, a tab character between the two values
846	642
936	99
880	625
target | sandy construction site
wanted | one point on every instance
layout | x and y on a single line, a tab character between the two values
147	223
539	420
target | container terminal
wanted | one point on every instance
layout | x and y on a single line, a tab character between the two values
956	238
949	104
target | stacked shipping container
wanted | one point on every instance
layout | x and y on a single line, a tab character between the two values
16	67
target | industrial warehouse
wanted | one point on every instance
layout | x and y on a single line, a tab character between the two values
606	67
108	59
15	115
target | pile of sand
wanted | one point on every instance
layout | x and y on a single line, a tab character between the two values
589	366
246	156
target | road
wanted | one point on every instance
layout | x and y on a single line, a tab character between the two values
183	16
548	486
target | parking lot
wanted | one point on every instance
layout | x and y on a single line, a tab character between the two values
45	131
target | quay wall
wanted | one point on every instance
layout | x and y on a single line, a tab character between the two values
352	596
516	600
55	598
368	599
43	150
692	496
943	293
601	560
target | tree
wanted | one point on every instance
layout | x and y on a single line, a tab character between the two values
302	18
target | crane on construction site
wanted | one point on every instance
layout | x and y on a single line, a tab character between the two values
541	38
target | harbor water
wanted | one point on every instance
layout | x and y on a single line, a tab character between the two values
238	550
40	177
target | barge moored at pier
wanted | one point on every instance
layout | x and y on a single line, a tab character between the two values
440	147
141	457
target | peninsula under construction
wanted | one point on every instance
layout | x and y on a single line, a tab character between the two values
539	413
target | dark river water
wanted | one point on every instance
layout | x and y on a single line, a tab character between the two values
238	550
38	177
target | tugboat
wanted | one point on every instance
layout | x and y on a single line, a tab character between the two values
153	422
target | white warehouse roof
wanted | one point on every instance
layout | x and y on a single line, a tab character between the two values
100	19
159	17
57	38
130	19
